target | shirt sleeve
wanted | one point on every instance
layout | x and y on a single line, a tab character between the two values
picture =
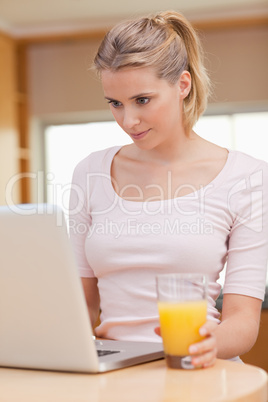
80	218
248	239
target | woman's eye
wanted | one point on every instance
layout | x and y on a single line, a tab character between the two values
143	101
115	103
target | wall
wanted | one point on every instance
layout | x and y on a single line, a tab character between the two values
237	60
59	80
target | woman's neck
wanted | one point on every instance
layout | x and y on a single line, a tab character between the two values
182	149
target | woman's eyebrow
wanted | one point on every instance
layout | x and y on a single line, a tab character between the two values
110	99
141	95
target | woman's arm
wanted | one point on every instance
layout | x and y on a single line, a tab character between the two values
240	321
90	286
234	336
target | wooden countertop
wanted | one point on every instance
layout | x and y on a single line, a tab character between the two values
150	382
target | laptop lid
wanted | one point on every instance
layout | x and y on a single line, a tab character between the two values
44	322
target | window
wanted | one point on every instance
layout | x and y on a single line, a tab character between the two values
66	145
245	132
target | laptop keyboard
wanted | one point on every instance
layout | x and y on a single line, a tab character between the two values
106	352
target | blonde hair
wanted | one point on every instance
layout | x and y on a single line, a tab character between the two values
168	43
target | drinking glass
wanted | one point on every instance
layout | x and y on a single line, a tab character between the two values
182	306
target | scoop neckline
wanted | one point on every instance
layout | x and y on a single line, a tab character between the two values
207	189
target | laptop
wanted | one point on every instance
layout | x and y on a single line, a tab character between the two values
44	322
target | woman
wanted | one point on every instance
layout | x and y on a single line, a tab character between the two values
170	201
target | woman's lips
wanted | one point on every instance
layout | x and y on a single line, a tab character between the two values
140	135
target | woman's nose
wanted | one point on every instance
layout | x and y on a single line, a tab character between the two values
131	119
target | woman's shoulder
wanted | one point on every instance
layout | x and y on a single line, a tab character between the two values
241	171
246	164
246	173
95	159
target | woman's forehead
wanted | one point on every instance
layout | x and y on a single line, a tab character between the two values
128	73
131	81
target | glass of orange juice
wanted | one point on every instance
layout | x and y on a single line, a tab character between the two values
182	306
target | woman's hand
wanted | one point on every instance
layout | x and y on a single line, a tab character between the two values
204	353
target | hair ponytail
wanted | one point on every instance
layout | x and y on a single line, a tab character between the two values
196	101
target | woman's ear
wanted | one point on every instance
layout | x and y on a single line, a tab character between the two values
185	83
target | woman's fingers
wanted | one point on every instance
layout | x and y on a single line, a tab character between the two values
204	360
204	353
157	331
208	328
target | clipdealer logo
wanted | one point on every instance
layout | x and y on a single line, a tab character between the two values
133	227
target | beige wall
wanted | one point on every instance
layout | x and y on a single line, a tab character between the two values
60	81
238	60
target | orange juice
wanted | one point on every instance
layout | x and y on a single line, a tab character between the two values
180	323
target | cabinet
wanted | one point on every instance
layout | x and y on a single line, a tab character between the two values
258	355
9	133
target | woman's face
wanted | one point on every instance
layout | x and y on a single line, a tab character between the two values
147	108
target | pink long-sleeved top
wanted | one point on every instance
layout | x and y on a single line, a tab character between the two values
125	244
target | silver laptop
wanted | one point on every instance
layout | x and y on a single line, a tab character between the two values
44	322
